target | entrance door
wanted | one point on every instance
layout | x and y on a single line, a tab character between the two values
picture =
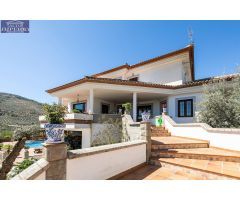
105	108
163	106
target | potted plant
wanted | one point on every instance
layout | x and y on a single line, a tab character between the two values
76	111
54	115
127	108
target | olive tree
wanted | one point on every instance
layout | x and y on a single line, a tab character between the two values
27	132
220	107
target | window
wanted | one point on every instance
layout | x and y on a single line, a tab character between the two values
81	107
133	79
185	108
105	108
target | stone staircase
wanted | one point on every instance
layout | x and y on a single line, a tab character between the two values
193	156
159	131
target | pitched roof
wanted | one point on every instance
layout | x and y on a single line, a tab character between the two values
189	49
126	66
142	84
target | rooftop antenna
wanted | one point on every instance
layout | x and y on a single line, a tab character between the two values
190	36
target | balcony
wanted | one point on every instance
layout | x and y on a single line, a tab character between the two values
71	118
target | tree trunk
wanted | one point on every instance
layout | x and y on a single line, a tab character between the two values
7	164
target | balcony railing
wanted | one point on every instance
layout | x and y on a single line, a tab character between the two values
72	118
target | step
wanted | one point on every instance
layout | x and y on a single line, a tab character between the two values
158	129
199	153
179	146
174	142
208	169
160	134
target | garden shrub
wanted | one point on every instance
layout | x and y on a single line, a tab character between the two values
6	134
20	167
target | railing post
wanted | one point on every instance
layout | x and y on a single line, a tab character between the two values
145	128
56	155
134	106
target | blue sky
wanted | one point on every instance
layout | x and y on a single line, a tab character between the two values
57	52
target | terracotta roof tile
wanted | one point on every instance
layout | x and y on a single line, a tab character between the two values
142	84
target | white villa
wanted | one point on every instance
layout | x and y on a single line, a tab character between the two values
162	83
179	149
165	81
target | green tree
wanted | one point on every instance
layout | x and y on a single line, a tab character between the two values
220	107
26	132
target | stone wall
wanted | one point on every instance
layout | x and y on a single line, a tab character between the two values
106	129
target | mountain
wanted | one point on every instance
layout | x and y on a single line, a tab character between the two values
17	110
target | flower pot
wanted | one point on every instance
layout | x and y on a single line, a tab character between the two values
54	132
145	117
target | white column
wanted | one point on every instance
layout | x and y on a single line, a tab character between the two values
135	106
60	100
69	107
91	101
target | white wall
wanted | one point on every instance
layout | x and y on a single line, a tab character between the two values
41	176
172	106
163	74
98	106
86	138
101	166
166	71
224	138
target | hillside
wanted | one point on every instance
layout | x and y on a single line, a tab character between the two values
17	110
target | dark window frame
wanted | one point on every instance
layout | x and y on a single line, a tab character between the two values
185	107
